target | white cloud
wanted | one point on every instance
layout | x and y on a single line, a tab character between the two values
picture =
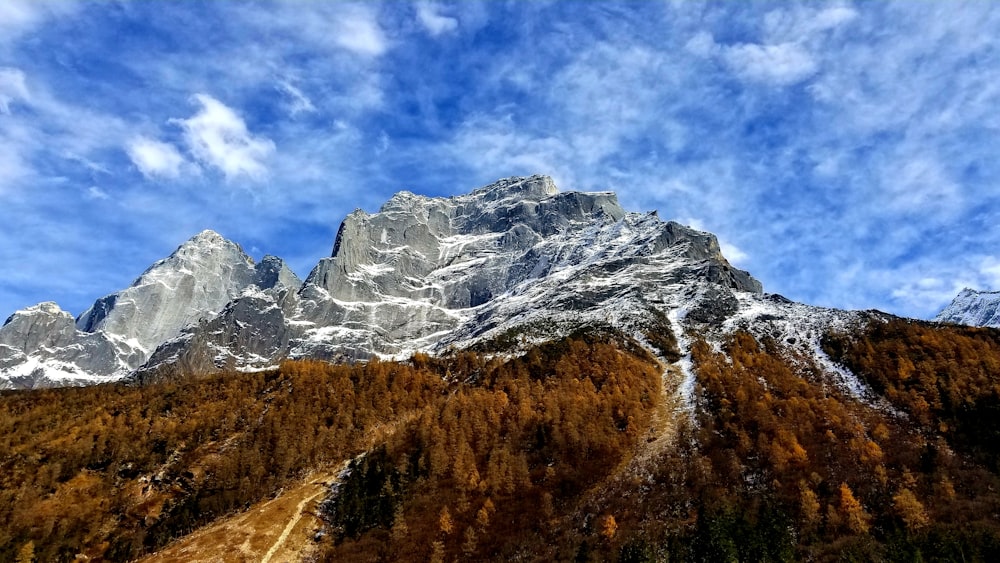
803	23
693	222
989	273
155	159
929	294
12	88
383	144
495	147
295	28
20	16
831	18
93	192
430	16
218	137
356	29
13	169
780	65
733	253
788	51
298	101
702	44
918	182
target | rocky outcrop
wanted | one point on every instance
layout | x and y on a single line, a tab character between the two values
196	281
973	308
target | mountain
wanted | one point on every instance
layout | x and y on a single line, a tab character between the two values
516	261
506	266
43	346
549	378
973	308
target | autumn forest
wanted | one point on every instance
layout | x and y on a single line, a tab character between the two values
574	451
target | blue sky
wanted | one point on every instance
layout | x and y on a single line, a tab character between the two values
847	154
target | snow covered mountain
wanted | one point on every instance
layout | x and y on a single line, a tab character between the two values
42	345
508	265
973	308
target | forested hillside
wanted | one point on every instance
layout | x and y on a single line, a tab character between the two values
553	455
114	471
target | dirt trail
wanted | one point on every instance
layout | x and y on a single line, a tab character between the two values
299	512
277	530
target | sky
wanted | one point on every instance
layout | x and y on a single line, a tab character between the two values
846	154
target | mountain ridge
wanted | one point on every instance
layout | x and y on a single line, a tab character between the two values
427	274
516	262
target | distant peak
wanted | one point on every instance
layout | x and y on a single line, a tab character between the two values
207	241
537	186
208	235
45	307
970	291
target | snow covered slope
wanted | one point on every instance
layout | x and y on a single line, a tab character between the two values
41	345
973	308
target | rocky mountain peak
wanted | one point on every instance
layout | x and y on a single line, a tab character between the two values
206	237
455	268
973	308
44	324
197	279
204	249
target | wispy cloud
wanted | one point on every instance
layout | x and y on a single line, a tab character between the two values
20	16
784	55
297	101
430	16
12	88
358	30
93	192
781	64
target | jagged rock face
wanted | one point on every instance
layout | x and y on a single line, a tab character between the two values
42	344
428	273
973	308
272	272
252	326
427	266
515	261
197	280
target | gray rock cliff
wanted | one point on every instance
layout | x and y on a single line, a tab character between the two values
428	273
